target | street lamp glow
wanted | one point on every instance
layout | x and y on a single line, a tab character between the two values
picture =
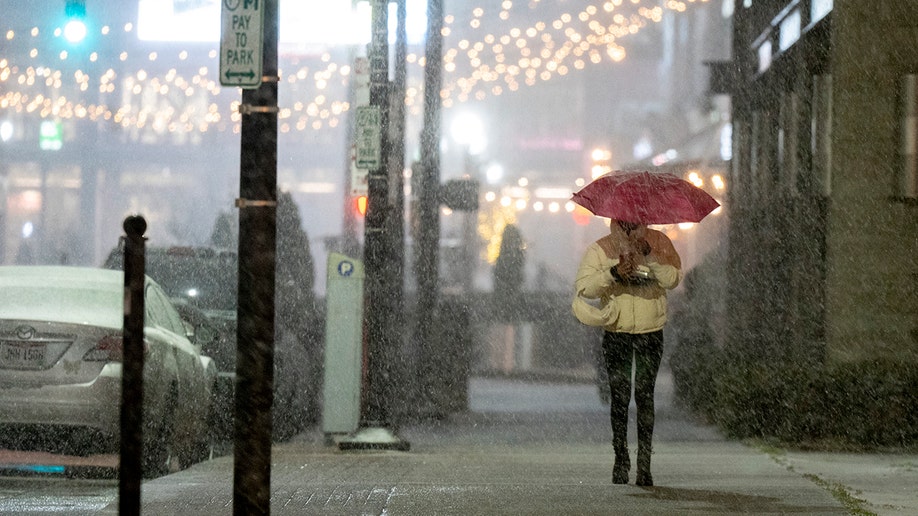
599	154
695	178
75	31
468	130
6	131
494	173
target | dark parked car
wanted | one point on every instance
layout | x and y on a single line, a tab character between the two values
202	282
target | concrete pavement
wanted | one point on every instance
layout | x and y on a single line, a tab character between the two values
880	483
544	448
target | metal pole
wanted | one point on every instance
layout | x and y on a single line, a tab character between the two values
397	173
377	260
349	244
428	241
255	313
130	471
374	432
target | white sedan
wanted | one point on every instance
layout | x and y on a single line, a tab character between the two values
60	367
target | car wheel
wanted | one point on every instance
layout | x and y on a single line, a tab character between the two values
222	415
157	441
202	444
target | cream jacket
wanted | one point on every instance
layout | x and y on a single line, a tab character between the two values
622	307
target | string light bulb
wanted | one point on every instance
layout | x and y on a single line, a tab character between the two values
497	56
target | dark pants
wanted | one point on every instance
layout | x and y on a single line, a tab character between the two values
646	350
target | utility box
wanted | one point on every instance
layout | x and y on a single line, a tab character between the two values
343	345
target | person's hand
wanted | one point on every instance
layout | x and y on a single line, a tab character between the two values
641	246
626	266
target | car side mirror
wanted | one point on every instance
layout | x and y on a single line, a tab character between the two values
189	330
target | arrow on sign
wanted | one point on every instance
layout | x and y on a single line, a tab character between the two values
249	75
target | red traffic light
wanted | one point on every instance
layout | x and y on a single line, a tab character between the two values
360	204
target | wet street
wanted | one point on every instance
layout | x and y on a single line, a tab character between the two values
42	483
508	413
523	448
55	495
538	447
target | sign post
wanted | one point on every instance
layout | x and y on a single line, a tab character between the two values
241	42
381	334
257	205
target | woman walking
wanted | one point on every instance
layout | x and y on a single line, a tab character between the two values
629	271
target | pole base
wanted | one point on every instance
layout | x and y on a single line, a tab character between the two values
373	438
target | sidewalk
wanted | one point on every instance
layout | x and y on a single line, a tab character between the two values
538	448
886	484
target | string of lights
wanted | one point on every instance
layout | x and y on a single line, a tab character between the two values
490	55
543	50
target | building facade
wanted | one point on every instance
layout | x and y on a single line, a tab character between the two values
805	331
823	260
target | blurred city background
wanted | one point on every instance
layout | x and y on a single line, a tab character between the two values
132	119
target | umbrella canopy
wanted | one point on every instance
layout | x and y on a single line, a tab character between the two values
645	198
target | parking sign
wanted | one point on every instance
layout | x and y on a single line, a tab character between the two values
241	42
369	137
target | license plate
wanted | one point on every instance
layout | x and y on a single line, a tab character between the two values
22	355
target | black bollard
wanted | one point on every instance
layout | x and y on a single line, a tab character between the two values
130	472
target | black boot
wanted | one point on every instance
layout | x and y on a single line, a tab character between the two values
644	478
622	465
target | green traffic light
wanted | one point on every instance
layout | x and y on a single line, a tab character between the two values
75	31
75	28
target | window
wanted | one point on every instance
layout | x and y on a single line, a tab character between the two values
161	313
789	31
820	8
764	56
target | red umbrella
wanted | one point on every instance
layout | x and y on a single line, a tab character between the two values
645	198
